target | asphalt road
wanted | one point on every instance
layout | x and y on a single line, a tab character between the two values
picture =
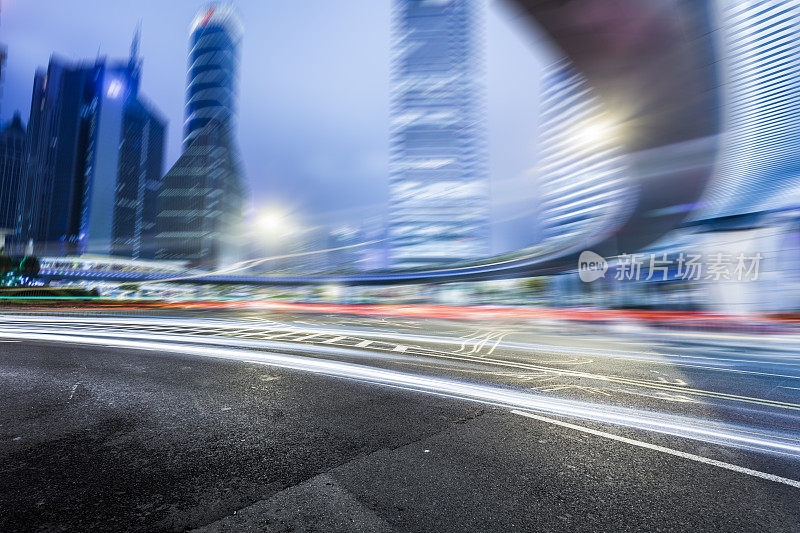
250	422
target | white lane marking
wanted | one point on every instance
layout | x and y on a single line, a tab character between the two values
74	388
465	357
500	338
662	449
478	346
333	340
400	348
634	355
466	339
280	335
307	337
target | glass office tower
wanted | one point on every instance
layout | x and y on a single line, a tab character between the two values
215	36
80	130
64	113
12	172
582	172
201	200
760	165
439	189
141	166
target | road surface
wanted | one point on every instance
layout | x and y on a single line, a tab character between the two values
252	421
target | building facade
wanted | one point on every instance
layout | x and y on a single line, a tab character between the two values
79	137
141	165
3	59
12	171
581	172
201	200
760	70
439	189
64	114
356	248
214	39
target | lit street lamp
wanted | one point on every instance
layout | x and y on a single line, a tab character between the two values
274	226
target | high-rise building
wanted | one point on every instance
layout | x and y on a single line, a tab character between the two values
64	114
214	40
201	198
130	146
200	201
141	165
12	172
86	120
760	157
12	163
583	191
439	188
3	58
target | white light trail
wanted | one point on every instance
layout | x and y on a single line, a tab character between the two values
697	429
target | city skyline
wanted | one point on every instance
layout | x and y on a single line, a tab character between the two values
94	160
169	362
343	127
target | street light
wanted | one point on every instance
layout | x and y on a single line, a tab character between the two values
275	225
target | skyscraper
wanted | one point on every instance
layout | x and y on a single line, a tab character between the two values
581	177
12	172
81	125
201	197
760	163
439	190
215	36
200	201
123	210
141	165
3	58
64	114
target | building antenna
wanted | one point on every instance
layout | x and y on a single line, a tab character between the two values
135	60
137	37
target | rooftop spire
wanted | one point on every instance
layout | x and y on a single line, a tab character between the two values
135	61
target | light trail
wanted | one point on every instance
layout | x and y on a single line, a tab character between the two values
661	358
198	327
242	266
463	342
679	426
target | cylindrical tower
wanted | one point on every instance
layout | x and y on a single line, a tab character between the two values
214	38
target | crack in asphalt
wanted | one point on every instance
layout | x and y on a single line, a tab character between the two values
209	526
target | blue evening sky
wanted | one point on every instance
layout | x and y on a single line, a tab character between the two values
314	94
